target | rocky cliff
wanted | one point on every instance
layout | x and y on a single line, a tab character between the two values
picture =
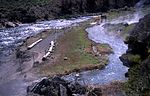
27	11
137	58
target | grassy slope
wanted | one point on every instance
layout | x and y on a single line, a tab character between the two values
74	45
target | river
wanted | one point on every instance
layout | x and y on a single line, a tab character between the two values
114	71
11	85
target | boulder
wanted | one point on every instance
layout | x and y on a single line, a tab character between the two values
55	86
65	58
76	88
63	91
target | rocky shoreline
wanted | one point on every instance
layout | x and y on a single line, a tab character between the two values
137	59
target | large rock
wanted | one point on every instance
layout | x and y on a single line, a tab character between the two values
55	87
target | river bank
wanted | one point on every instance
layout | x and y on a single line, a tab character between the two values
32	74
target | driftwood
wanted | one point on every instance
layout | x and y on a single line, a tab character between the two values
93	23
33	44
52	43
50	50
46	55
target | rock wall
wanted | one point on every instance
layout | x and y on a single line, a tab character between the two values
137	58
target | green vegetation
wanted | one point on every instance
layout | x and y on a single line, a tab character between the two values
133	82
12	3
77	49
79	42
136	84
115	13
127	29
134	58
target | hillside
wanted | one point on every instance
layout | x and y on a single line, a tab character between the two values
27	11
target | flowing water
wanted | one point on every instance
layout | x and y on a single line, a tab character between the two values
115	70
12	37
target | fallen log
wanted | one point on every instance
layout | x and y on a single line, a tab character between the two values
93	23
46	55
52	43
50	50
33	44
